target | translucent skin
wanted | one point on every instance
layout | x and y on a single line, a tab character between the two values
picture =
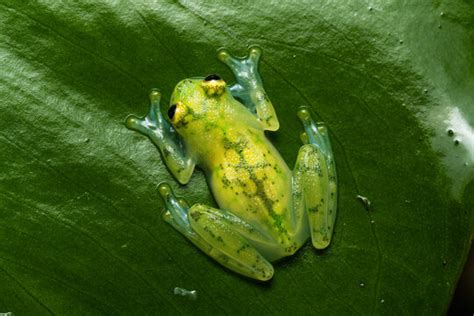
266	211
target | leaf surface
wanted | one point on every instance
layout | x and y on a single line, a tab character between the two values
80	224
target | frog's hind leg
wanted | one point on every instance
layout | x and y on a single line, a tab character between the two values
218	234
249	86
315	181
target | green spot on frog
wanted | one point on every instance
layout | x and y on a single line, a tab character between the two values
313	209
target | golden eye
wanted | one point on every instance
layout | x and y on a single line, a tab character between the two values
213	85
212	77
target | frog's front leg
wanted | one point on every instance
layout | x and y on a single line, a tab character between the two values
249	87
219	234
315	182
163	135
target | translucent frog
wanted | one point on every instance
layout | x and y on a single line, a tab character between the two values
266	211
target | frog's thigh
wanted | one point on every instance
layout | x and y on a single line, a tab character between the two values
313	192
227	245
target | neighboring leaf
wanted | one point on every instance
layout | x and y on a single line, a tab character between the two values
80	224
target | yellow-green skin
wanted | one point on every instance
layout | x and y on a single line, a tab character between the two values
245	172
266	211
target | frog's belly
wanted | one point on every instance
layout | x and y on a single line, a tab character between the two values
256	190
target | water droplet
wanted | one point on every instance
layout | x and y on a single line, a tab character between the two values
205	22
372	222
425	90
294	56
382	301
450	132
86	140
362	284
365	201
466	164
370	8
456	142
439	26
400	41
192	295
445	262
441	14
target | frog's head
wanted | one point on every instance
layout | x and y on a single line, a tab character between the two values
196	99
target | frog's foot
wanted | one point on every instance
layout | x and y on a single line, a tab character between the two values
315	174
163	135
245	69
315	133
217	234
249	87
153	125
176	212
176	215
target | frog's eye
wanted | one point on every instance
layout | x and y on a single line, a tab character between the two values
172	111
213	85
212	77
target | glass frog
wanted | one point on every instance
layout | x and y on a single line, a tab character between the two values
266	211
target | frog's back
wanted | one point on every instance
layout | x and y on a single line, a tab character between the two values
250	179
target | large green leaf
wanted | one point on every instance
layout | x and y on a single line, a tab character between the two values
80	224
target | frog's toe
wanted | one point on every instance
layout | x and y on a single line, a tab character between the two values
311	130
136	123
183	203
304	114
234	63
223	55
155	97
255	52
131	121
304	138
241	63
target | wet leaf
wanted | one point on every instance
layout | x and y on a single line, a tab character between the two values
80	224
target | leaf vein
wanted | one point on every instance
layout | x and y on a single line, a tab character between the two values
91	53
28	292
